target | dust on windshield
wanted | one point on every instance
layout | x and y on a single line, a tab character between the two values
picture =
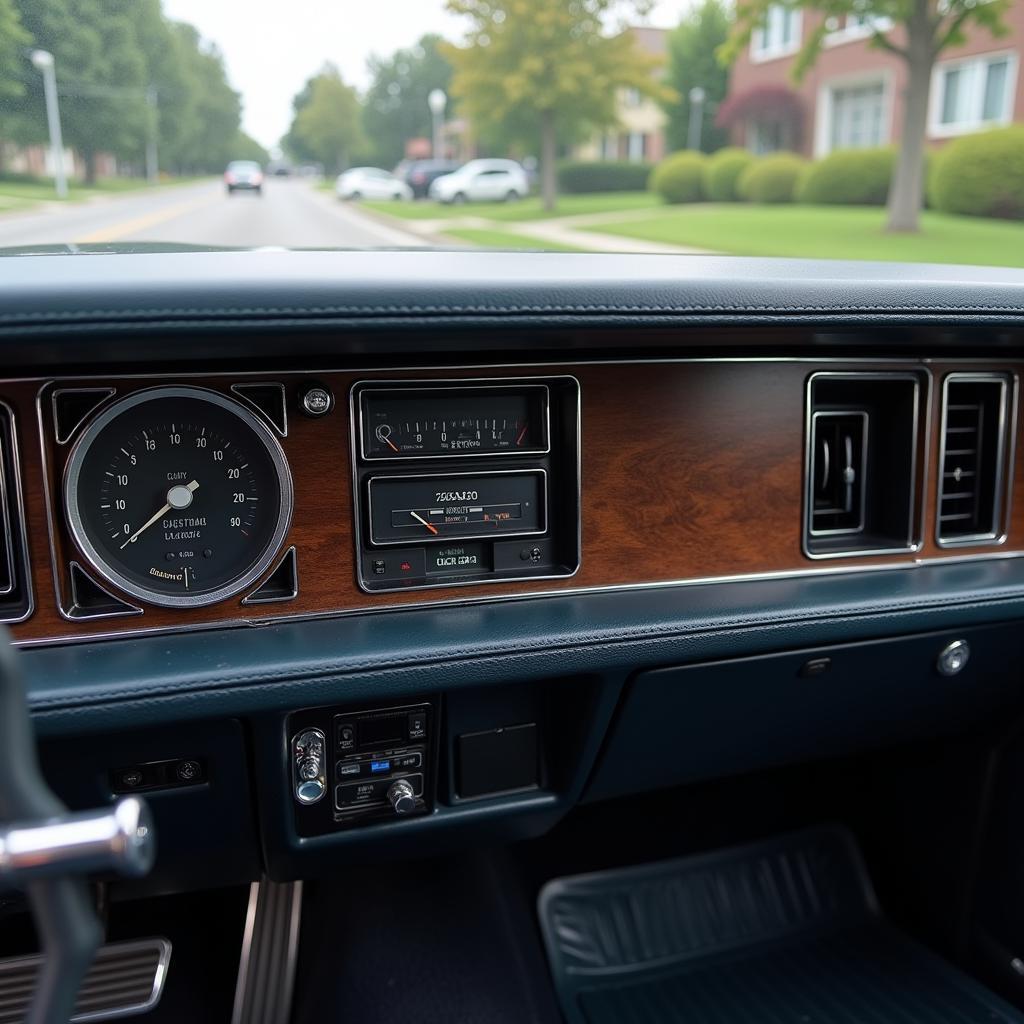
868	129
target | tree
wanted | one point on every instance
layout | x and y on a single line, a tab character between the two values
101	76
533	69
395	108
245	147
692	62
326	127
922	29
14	40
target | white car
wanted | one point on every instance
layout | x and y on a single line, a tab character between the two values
482	181
370	183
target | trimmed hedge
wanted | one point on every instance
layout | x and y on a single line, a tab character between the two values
679	178
856	177
982	175
578	176
722	173
772	179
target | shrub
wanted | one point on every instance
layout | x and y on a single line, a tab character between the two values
722	173
603	176
679	177
856	177
771	179
982	175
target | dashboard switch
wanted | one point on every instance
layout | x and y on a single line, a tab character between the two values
402	797
953	658
308	771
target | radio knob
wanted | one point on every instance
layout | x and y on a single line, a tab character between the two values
401	797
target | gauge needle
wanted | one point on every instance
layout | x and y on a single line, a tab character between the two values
191	487
394	447
429	526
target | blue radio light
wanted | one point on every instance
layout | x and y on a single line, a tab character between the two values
379	766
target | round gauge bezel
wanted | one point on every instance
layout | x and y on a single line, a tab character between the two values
99	562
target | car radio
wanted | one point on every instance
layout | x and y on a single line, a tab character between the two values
353	767
465	481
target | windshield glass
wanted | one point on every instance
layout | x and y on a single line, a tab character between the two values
810	128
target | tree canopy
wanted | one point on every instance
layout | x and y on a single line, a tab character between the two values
395	106
326	127
532	71
692	63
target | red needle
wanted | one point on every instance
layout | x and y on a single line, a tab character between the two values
429	526
394	447
522	434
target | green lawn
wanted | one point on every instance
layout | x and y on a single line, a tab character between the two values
525	209
830	232
487	238
18	192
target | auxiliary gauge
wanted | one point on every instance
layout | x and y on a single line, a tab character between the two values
178	496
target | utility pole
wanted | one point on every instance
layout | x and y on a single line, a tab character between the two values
693	129
437	101
152	164
42	60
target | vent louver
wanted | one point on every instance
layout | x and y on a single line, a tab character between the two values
972	458
15	585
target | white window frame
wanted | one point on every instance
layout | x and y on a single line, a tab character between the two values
825	108
772	49
851	32
938	130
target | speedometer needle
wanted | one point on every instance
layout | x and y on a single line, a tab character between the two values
419	518
191	487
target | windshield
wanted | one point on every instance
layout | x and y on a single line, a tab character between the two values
810	128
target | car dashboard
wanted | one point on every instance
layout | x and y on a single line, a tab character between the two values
331	554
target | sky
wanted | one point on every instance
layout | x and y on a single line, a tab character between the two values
272	46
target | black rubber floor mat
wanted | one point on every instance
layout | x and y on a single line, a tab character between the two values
783	932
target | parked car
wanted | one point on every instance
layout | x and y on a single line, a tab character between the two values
482	181
244	176
419	175
370	183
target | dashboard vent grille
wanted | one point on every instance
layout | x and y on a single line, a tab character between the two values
15	587
839	462
972	458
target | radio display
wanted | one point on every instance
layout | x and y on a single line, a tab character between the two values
414	509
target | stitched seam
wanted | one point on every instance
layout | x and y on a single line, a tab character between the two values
468	310
599	642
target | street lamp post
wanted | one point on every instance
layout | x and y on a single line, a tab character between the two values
437	101
693	129
42	60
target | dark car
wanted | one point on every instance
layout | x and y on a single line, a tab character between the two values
420	174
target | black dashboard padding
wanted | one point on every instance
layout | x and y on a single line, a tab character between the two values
72	296
107	685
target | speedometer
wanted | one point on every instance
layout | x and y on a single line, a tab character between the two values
178	496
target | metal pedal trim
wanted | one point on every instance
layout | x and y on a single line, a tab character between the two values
138	969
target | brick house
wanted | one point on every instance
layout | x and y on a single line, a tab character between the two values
640	132
850	97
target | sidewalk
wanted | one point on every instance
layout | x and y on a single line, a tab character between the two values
576	231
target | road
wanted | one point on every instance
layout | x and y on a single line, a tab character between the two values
291	213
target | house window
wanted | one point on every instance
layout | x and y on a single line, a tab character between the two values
765	137
632	98
858	116
637	146
779	36
973	94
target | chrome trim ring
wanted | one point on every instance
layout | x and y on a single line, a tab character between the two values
100	563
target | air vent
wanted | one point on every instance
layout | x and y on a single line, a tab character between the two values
15	585
839	460
972	458
863	493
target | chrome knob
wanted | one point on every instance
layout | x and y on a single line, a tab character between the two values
953	658
401	796
309	773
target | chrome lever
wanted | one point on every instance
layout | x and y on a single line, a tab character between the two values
119	838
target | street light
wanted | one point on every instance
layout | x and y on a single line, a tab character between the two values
42	60
437	101
697	97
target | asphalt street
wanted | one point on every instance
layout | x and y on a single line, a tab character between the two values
291	212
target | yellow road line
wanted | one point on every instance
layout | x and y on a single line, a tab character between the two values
115	232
